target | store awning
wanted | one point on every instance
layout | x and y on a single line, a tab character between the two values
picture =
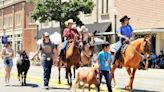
156	30
142	31
49	30
99	27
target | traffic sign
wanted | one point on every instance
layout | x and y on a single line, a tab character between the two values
4	39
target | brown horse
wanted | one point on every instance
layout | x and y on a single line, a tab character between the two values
132	57
72	57
86	55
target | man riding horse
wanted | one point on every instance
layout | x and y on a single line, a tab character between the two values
68	35
124	32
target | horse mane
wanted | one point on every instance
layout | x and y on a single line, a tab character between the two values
137	41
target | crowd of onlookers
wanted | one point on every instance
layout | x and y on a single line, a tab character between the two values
154	61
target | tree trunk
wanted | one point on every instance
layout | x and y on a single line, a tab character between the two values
62	26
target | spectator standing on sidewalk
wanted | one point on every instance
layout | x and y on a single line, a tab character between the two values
154	59
7	58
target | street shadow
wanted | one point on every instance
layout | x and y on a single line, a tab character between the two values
27	85
139	90
59	88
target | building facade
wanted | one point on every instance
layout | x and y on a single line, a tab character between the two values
147	18
16	23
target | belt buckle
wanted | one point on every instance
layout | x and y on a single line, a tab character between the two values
48	59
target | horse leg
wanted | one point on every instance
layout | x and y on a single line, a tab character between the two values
83	87
132	78
70	77
59	68
89	87
25	73
22	78
74	67
19	75
76	85
112	72
66	75
129	73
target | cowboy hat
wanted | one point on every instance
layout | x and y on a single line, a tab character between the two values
69	21
84	29
123	18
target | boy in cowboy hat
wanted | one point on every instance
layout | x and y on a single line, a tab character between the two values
125	33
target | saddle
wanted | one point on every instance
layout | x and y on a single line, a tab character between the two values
124	47
122	50
69	50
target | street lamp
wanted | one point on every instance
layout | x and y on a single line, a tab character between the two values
37	30
115	12
4	30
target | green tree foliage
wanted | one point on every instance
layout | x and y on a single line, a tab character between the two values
54	10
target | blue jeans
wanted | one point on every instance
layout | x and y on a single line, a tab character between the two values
10	63
108	80
47	65
116	55
64	45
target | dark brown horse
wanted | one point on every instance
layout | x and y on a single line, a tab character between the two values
23	65
132	58
72	57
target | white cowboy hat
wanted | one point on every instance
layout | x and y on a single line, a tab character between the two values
46	34
78	29
113	47
112	50
84	29
69	21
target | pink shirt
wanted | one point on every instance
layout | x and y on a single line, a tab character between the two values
69	33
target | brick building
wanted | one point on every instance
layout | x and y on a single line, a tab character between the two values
17	25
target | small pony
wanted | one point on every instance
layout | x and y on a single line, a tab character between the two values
23	65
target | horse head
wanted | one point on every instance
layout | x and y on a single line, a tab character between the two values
23	55
145	45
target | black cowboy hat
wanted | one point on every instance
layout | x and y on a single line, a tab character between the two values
123	18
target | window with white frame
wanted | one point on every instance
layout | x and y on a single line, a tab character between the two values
105	6
102	11
17	19
8	21
31	20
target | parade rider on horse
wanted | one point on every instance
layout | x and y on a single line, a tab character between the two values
125	33
68	35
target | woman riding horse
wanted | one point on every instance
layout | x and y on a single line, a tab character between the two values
124	32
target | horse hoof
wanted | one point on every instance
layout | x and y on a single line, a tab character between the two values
70	85
59	82
127	88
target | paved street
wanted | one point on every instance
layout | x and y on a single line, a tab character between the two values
145	81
